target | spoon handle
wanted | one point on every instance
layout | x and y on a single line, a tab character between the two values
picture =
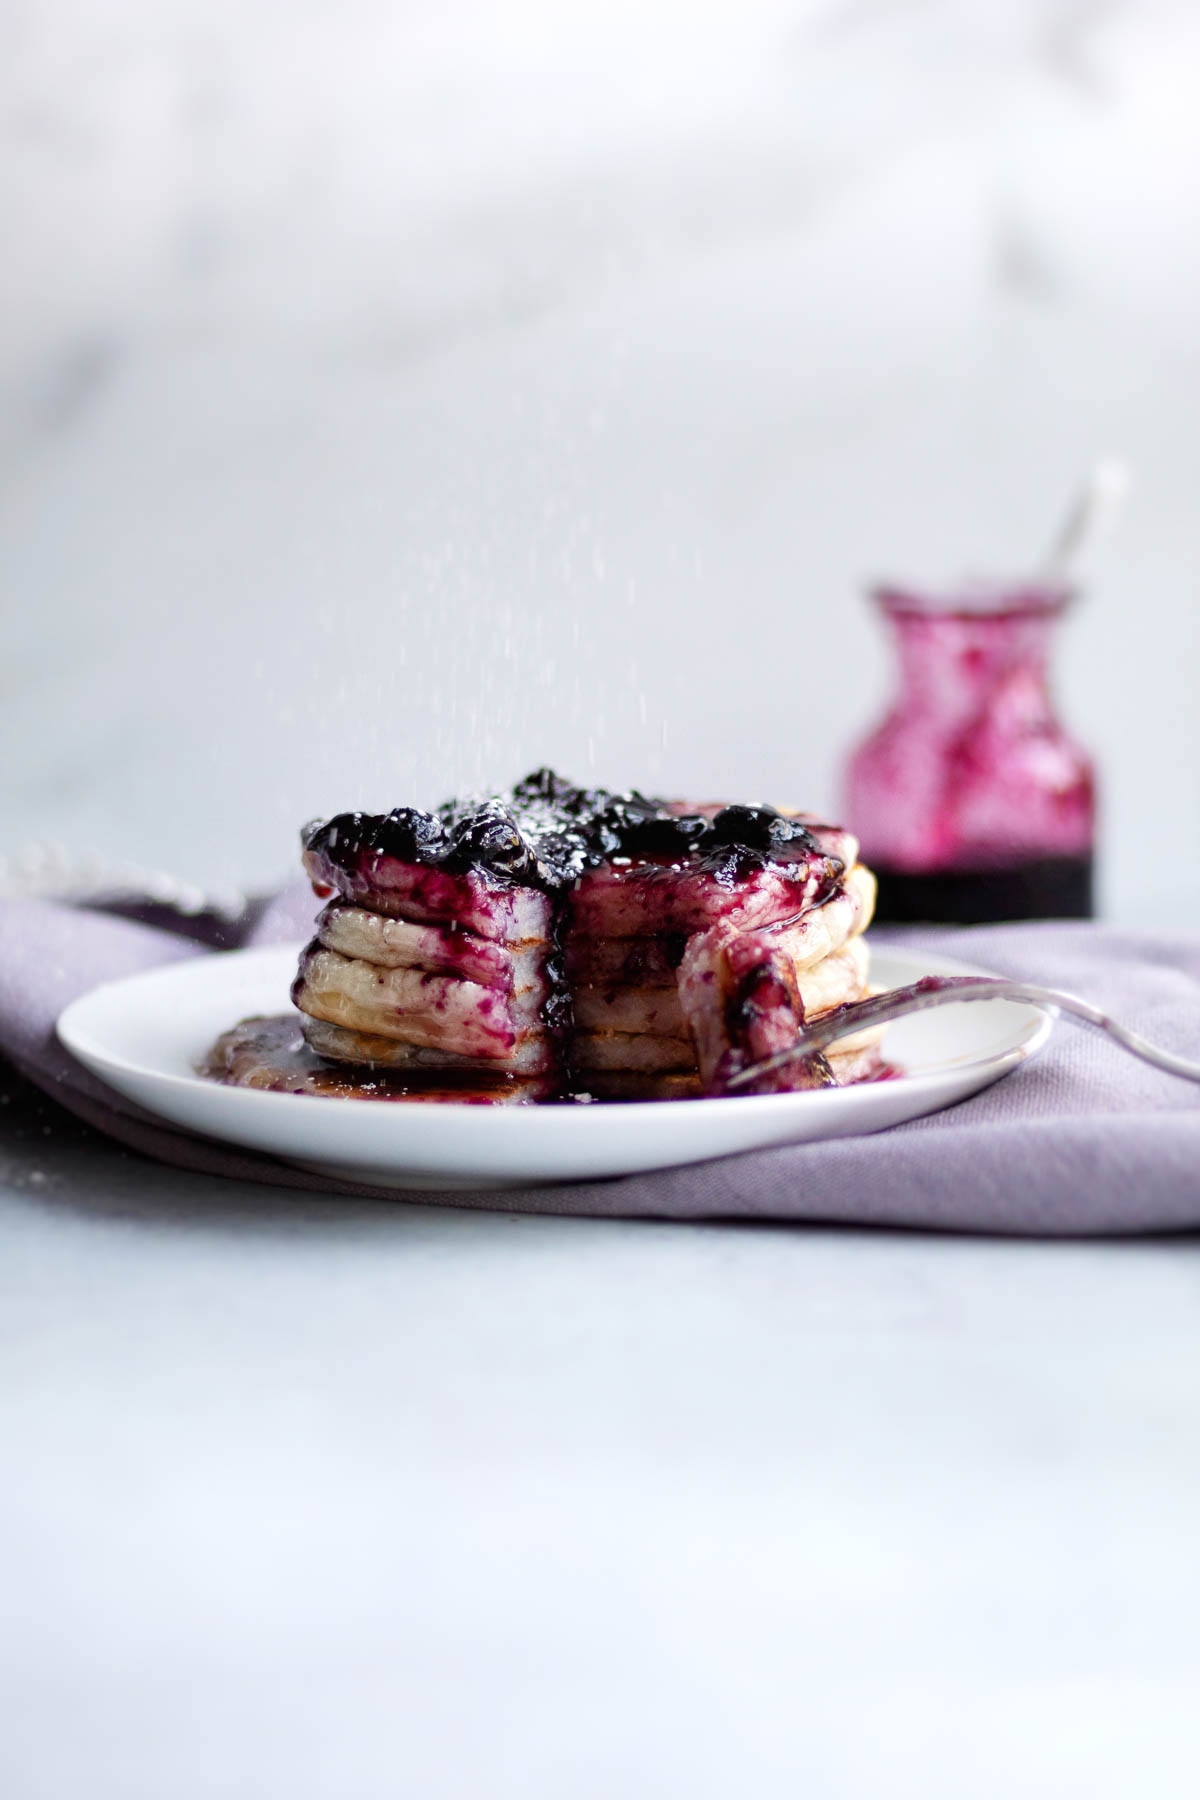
948	990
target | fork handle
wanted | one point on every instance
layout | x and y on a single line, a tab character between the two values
949	990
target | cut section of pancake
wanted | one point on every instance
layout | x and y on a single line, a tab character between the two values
472	901
740	998
847	1066
435	1012
398	943
631	1051
652	960
622	1084
638	1010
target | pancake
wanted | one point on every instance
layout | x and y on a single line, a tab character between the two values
531	1053
400	943
861	1062
435	1012
471	901
271	1054
623	1084
652	960
641	1052
840	977
638	899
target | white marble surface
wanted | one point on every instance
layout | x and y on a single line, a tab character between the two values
403	397
307	1500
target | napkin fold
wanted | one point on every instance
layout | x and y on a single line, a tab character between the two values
1082	1140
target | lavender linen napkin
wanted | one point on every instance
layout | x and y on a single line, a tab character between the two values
1082	1140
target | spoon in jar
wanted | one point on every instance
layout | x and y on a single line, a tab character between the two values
1091	517
946	990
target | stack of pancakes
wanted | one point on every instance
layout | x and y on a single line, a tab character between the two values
554	941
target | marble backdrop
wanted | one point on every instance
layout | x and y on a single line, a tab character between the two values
394	397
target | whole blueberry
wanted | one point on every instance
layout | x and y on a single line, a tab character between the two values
411	833
490	839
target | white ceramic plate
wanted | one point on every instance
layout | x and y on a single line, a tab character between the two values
144	1036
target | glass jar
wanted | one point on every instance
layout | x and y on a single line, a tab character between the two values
970	800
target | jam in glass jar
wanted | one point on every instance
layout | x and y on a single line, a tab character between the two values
971	801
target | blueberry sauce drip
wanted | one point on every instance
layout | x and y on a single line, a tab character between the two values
557	1009
545	833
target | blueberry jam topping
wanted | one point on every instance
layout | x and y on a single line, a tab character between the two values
546	832
490	838
633	832
760	828
405	833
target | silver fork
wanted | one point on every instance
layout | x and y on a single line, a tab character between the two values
218	917
946	990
